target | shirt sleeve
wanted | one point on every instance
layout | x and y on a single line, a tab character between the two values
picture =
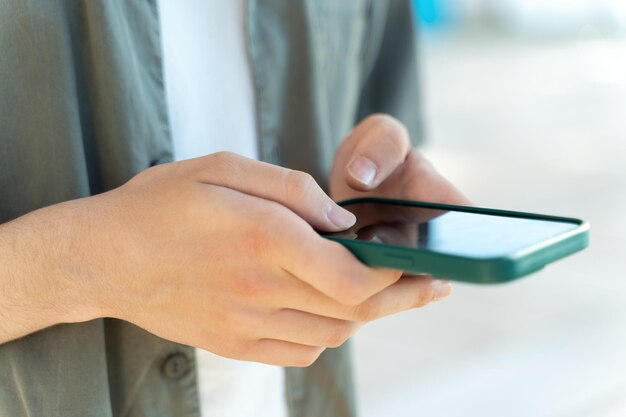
391	84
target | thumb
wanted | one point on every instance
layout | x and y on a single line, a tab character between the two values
295	190
376	147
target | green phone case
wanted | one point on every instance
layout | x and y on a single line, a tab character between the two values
474	270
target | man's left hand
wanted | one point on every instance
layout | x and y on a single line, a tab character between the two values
377	160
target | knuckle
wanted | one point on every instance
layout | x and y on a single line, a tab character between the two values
338	335
150	174
237	322
424	295
419	292
268	234
261	231
353	289
351	293
392	131
298	184
252	286
308	357
223	160
223	156
368	311
387	123
239	350
258	242
391	276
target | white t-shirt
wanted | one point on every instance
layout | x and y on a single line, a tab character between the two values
211	107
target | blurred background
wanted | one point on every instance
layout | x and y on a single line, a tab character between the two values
525	109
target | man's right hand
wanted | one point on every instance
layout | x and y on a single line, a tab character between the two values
217	252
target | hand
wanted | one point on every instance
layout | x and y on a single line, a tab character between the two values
216	252
377	160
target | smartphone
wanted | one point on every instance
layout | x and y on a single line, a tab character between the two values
469	244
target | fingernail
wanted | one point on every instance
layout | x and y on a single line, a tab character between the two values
442	289
362	170
341	217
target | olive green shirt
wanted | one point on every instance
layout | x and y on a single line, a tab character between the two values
82	110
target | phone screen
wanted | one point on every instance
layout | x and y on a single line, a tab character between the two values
458	233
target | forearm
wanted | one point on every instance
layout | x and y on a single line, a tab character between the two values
39	287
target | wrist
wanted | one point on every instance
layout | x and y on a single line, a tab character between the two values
42	280
68	248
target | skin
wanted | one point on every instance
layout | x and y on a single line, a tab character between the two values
220	253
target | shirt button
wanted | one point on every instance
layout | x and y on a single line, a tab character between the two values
175	366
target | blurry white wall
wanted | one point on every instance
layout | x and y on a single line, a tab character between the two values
525	108
563	17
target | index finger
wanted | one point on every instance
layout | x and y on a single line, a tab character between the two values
333	270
